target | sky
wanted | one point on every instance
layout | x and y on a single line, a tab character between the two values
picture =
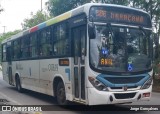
15	11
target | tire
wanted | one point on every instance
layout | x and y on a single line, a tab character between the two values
18	85
60	94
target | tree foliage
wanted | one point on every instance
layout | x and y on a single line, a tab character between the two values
150	6
36	19
8	34
57	7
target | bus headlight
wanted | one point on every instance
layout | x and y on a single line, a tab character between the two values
97	84
147	84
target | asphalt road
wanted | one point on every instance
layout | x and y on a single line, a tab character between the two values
11	96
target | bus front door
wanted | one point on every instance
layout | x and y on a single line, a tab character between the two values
9	68
79	39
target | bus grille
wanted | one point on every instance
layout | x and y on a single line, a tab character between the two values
124	95
129	87
124	80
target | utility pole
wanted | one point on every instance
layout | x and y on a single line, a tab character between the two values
41	5
4	29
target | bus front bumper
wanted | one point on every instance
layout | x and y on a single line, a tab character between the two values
96	97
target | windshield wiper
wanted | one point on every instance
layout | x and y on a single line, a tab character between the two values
142	30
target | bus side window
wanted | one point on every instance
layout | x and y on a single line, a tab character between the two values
45	43
4	53
16	49
60	41
25	47
33	45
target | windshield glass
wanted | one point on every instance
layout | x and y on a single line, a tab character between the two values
120	49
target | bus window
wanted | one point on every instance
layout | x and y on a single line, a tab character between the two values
60	42
16	49
4	53
33	45
45	43
25	47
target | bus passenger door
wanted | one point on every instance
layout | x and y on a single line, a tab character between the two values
79	38
9	62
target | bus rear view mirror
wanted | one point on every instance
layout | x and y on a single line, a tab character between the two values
91	31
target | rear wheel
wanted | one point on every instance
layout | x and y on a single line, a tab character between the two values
18	85
60	94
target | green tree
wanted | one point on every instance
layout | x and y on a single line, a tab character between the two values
36	19
150	6
57	7
8	34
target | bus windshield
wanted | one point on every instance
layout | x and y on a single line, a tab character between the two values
120	49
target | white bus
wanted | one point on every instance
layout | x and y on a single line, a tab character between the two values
94	54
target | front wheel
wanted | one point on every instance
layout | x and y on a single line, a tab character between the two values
61	95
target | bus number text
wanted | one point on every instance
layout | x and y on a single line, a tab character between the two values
53	67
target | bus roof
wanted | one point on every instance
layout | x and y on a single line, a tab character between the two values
84	8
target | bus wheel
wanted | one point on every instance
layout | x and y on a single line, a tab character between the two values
60	94
18	85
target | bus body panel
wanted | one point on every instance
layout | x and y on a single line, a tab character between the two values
29	73
5	71
41	78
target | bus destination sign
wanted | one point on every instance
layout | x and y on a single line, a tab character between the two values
119	15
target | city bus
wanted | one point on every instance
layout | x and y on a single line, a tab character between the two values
94	54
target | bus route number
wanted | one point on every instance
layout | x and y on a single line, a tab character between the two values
101	13
53	67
